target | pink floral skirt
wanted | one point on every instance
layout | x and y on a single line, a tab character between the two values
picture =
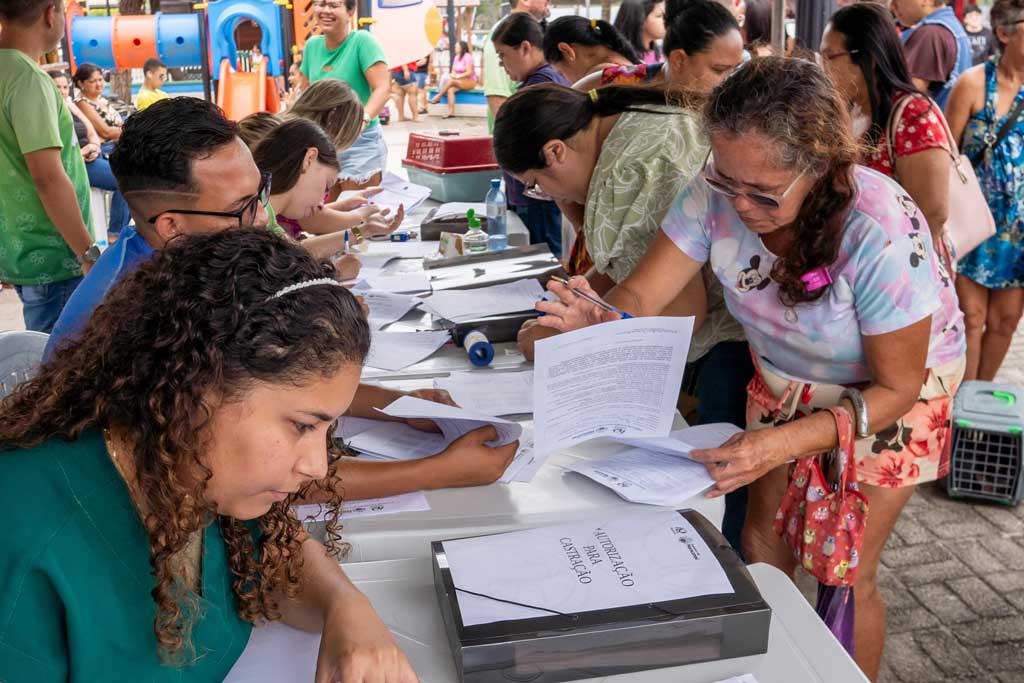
912	451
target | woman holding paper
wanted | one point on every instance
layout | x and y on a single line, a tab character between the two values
148	472
829	268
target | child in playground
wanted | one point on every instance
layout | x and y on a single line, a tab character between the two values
155	73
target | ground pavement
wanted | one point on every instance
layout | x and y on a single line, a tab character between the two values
952	574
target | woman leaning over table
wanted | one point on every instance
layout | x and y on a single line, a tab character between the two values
829	268
165	450
990	279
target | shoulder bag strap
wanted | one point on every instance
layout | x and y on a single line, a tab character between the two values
890	132
845	453
1011	120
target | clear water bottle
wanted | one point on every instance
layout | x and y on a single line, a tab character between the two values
497	217
475	239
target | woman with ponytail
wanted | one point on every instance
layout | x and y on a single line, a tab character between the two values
829	267
577	46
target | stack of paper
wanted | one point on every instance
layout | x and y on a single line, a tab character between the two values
397	283
397	441
386	308
682	441
452	420
397	350
460	305
641	476
502	393
369	507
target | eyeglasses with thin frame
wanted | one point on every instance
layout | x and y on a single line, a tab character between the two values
534	191
831	56
762	199
245	216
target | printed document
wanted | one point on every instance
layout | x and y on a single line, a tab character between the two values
682	441
386	308
617	379
460	305
641	476
637	559
503	393
368	507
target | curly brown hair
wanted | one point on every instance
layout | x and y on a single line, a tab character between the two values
191	330
792	103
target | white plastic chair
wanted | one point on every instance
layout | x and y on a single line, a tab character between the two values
20	355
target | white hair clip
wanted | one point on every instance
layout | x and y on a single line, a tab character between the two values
302	285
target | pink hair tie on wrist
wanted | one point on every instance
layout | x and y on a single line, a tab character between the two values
816	279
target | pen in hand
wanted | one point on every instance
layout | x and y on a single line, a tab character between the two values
596	302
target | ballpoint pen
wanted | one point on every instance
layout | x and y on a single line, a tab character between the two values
596	302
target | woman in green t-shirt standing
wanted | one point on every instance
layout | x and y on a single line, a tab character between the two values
148	473
358	59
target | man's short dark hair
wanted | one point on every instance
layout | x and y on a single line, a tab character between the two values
24	12
158	145
971	9
152	64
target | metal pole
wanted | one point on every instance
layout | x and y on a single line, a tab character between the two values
365	9
779	26
451	34
204	52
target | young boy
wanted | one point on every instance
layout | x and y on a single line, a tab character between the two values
155	73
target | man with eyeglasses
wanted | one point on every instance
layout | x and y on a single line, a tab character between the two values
183	170
155	75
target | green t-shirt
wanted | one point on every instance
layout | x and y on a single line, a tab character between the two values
348	62
497	82
33	116
74	564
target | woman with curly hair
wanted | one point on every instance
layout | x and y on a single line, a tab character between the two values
165	449
829	268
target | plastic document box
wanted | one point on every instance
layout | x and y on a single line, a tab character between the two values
611	641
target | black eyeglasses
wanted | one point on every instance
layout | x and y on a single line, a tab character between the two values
245	216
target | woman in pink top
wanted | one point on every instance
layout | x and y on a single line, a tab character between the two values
462	77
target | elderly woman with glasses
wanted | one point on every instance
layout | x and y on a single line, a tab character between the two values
829	268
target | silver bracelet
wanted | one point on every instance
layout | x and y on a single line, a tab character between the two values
860	407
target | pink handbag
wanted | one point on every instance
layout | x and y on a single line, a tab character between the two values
970	221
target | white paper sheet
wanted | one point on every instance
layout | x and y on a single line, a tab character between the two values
397	350
745	678
386	308
453	421
276	653
397	191
368	507
350	426
641	476
501	393
652	556
617	379
459	209
682	441
398	283
397	441
459	305
526	464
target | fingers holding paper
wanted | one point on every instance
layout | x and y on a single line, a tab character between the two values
746	456
435	395
570	311
469	461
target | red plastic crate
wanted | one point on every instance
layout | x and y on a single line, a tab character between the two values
445	153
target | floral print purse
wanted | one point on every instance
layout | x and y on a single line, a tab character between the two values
824	524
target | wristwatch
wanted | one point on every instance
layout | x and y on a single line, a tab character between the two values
366	119
91	255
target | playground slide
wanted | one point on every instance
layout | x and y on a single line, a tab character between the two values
240	93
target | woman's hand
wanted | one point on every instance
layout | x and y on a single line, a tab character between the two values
572	312
347	266
469	461
356	200
377	221
435	395
90	152
356	647
743	458
529	334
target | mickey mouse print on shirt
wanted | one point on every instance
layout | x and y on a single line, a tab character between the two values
751	278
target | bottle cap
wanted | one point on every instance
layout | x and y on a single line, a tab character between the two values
495	182
474	222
